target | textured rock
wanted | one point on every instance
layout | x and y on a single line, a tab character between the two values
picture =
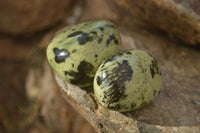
21	17
178	17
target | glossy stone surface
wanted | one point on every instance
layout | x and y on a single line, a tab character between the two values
76	53
127	81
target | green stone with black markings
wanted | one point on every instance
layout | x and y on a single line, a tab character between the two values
76	53
127	81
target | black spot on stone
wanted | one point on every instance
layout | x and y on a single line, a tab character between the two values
74	51
100	125
84	38
99	40
96	55
154	69
114	107
111	37
99	81
94	32
85	67
101	28
72	65
128	53
154	92
113	58
123	72
133	105
75	34
152	73
116	41
71	73
125	62
81	77
60	55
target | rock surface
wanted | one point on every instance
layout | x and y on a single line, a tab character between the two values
22	17
178	17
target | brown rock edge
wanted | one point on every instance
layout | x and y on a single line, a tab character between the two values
178	17
25	17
